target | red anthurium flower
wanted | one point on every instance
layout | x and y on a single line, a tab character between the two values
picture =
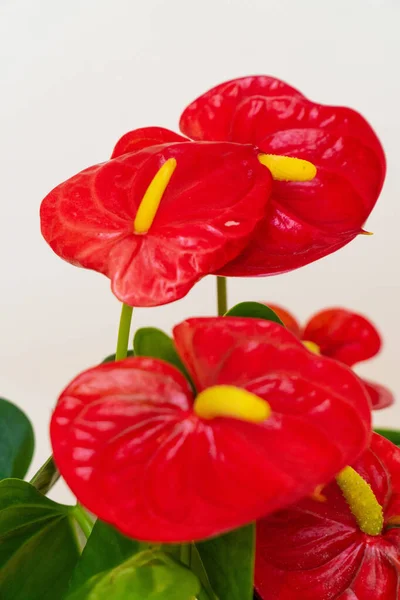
345	336
160	215
269	422
304	220
345	547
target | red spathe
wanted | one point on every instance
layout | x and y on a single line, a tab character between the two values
203	220
345	336
134	452
304	221
315	550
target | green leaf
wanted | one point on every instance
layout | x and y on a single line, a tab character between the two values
255	310
149	341
38	544
111	357
16	441
197	566
229	562
150	574
390	434
106	548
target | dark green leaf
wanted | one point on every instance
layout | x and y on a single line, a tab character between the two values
229	562
197	566
149	575
106	548
16	441
111	357
153	342
202	595
255	310
391	434
38	544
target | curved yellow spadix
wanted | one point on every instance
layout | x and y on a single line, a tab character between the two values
231	401
312	346
286	168
361	500
152	197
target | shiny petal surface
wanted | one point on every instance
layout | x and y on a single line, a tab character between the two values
144	138
202	222
304	221
326	582
270	362
343	335
316	550
132	449
378	577
212	115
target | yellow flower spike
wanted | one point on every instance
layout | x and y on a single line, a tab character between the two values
152	197
365	232
312	347
361	500
286	168
231	401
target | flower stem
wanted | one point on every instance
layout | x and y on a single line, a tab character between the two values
46	477
186	554
222	296
48	474
83	520
123	332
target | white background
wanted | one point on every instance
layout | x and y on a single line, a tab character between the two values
76	75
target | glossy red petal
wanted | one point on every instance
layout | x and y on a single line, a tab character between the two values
128	444
308	220
133	451
316	550
259	116
203	220
343	335
289	321
380	396
314	535
378	577
143	138
305	221
326	582
390	457
211	116
248	109
266	359
283	243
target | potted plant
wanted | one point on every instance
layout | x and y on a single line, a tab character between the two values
235	457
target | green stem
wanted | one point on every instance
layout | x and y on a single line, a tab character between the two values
186	554
83	520
222	296
46	477
123	332
48	474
